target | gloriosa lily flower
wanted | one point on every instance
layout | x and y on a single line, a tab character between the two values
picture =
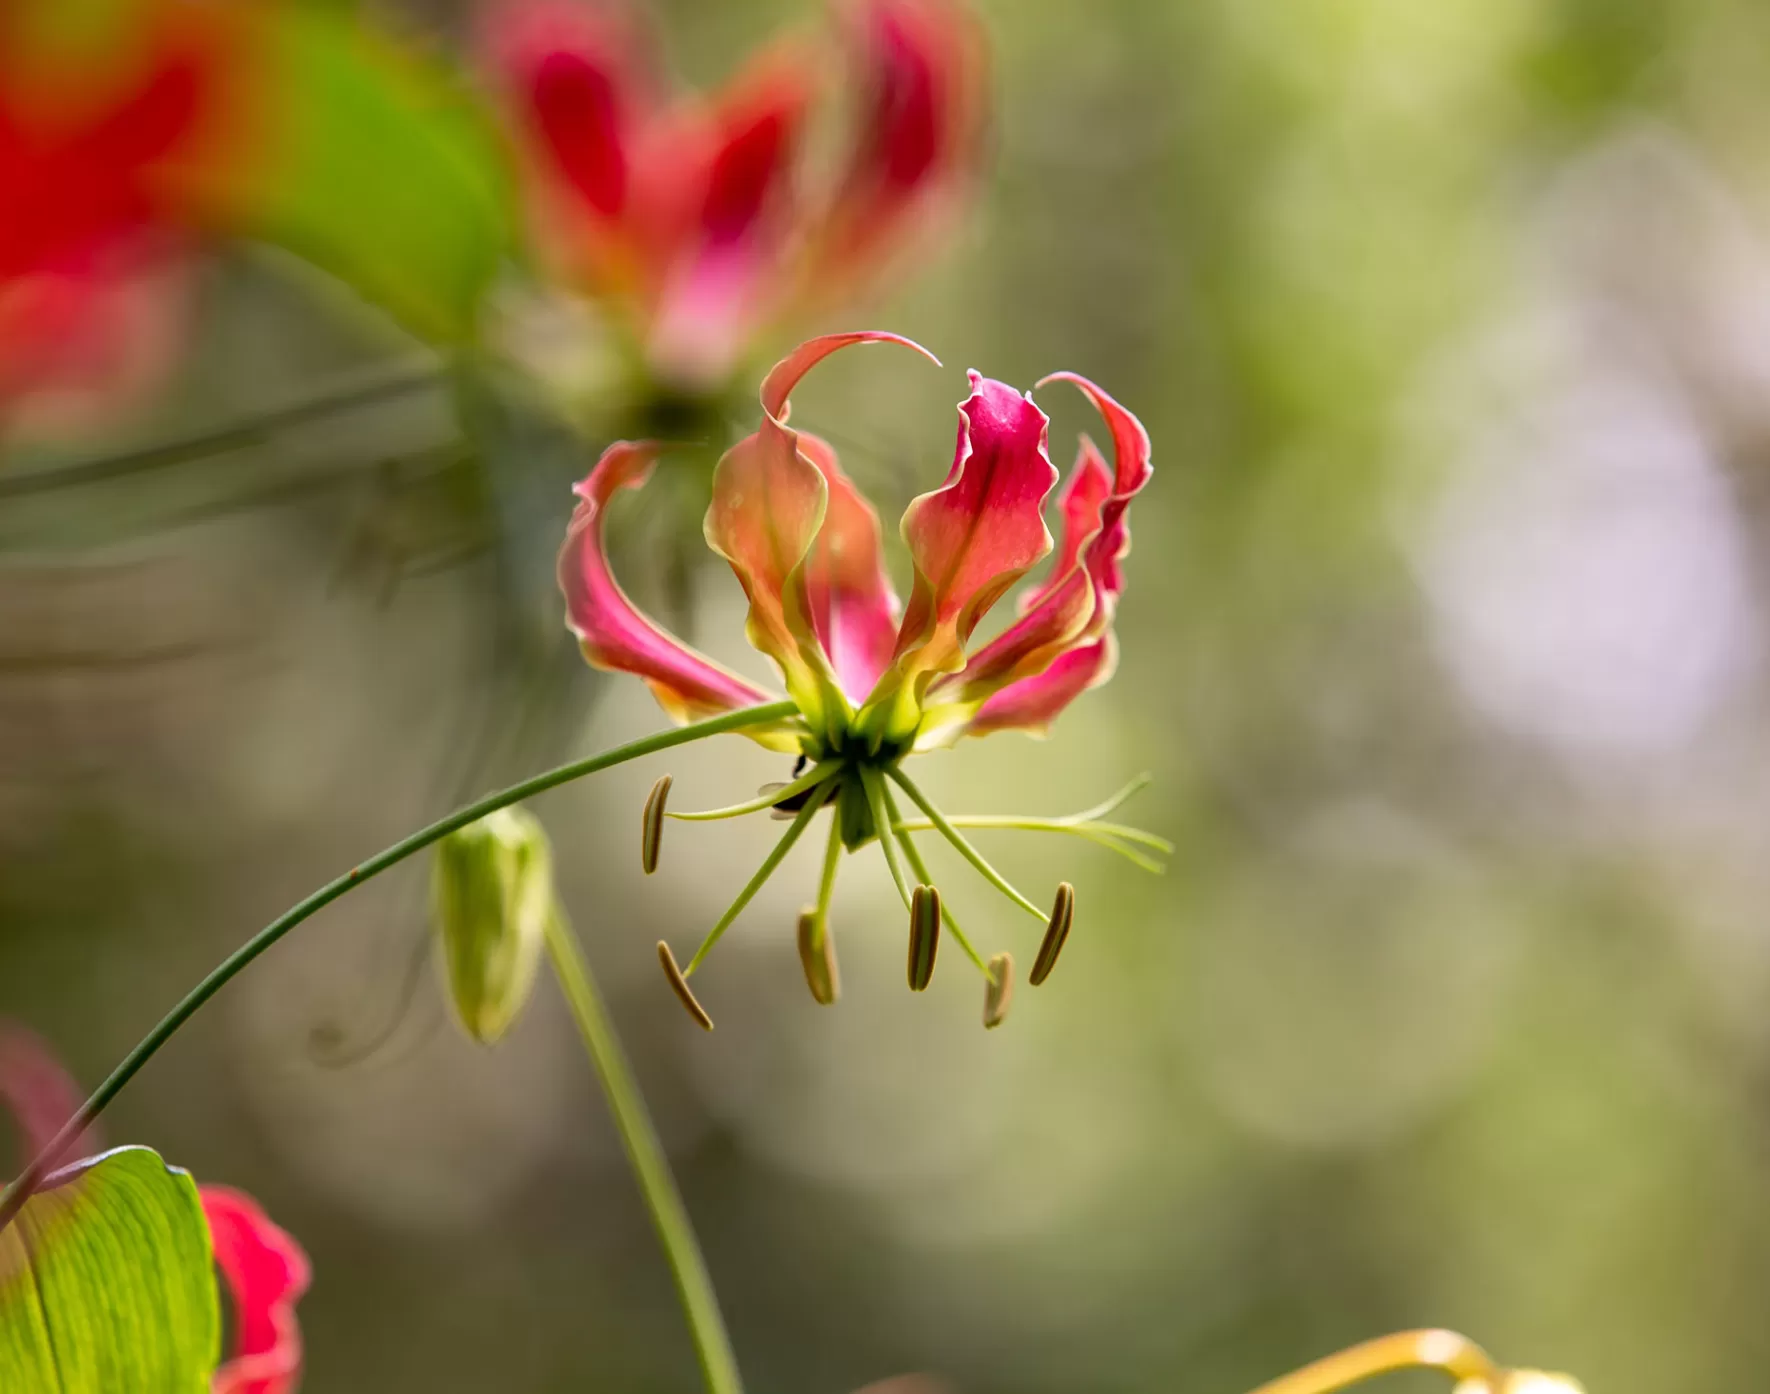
688	216
263	1267
100	156
871	681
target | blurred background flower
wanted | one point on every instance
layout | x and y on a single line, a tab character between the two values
1445	645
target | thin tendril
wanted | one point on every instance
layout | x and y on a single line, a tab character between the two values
763	872
875	788
218	978
1109	835
966	850
920	867
813	777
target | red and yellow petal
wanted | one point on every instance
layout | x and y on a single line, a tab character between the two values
971	540
769	502
611	630
853	608
1033	703
266	1272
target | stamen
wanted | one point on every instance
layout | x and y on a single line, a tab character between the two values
970	853
763	872
914	856
770	795
680	983
651	828
817	955
1111	836
1063	913
924	935
999	992
1100	810
876	801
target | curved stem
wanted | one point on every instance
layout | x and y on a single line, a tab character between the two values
241	957
651	1168
966	850
1457	1356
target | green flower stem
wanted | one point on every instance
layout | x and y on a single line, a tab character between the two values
1109	835
218	978
920	867
875	790
800	822
651	1168
966	850
813	777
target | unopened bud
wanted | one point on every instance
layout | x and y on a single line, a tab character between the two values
817	955
680	985
998	993
651	829
924	935
491	892
1063	913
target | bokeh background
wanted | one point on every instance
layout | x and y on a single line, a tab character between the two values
1445	642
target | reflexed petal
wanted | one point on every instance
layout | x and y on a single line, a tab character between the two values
266	1272
611	631
923	66
853	607
971	539
1062	636
1032	704
769	500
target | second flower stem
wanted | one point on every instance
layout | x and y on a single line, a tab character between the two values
651	1169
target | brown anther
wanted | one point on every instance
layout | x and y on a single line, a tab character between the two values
998	994
651	831
817	955
680	985
924	935
1063	913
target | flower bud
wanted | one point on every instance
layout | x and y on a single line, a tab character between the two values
491	892
1063	913
999	992
817	954
924	935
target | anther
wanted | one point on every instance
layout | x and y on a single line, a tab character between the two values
924	935
651	831
998	993
1063	913
817	955
680	985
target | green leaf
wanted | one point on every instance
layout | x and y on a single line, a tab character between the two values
377	168
107	1284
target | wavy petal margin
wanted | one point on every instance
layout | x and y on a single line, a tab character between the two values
266	1273
769	503
971	540
611	630
853	608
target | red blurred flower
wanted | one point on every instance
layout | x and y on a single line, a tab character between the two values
264	1269
106	148
873	680
689	215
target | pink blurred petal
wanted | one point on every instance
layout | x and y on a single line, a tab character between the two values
611	631
266	1273
40	1094
922	63
853	607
